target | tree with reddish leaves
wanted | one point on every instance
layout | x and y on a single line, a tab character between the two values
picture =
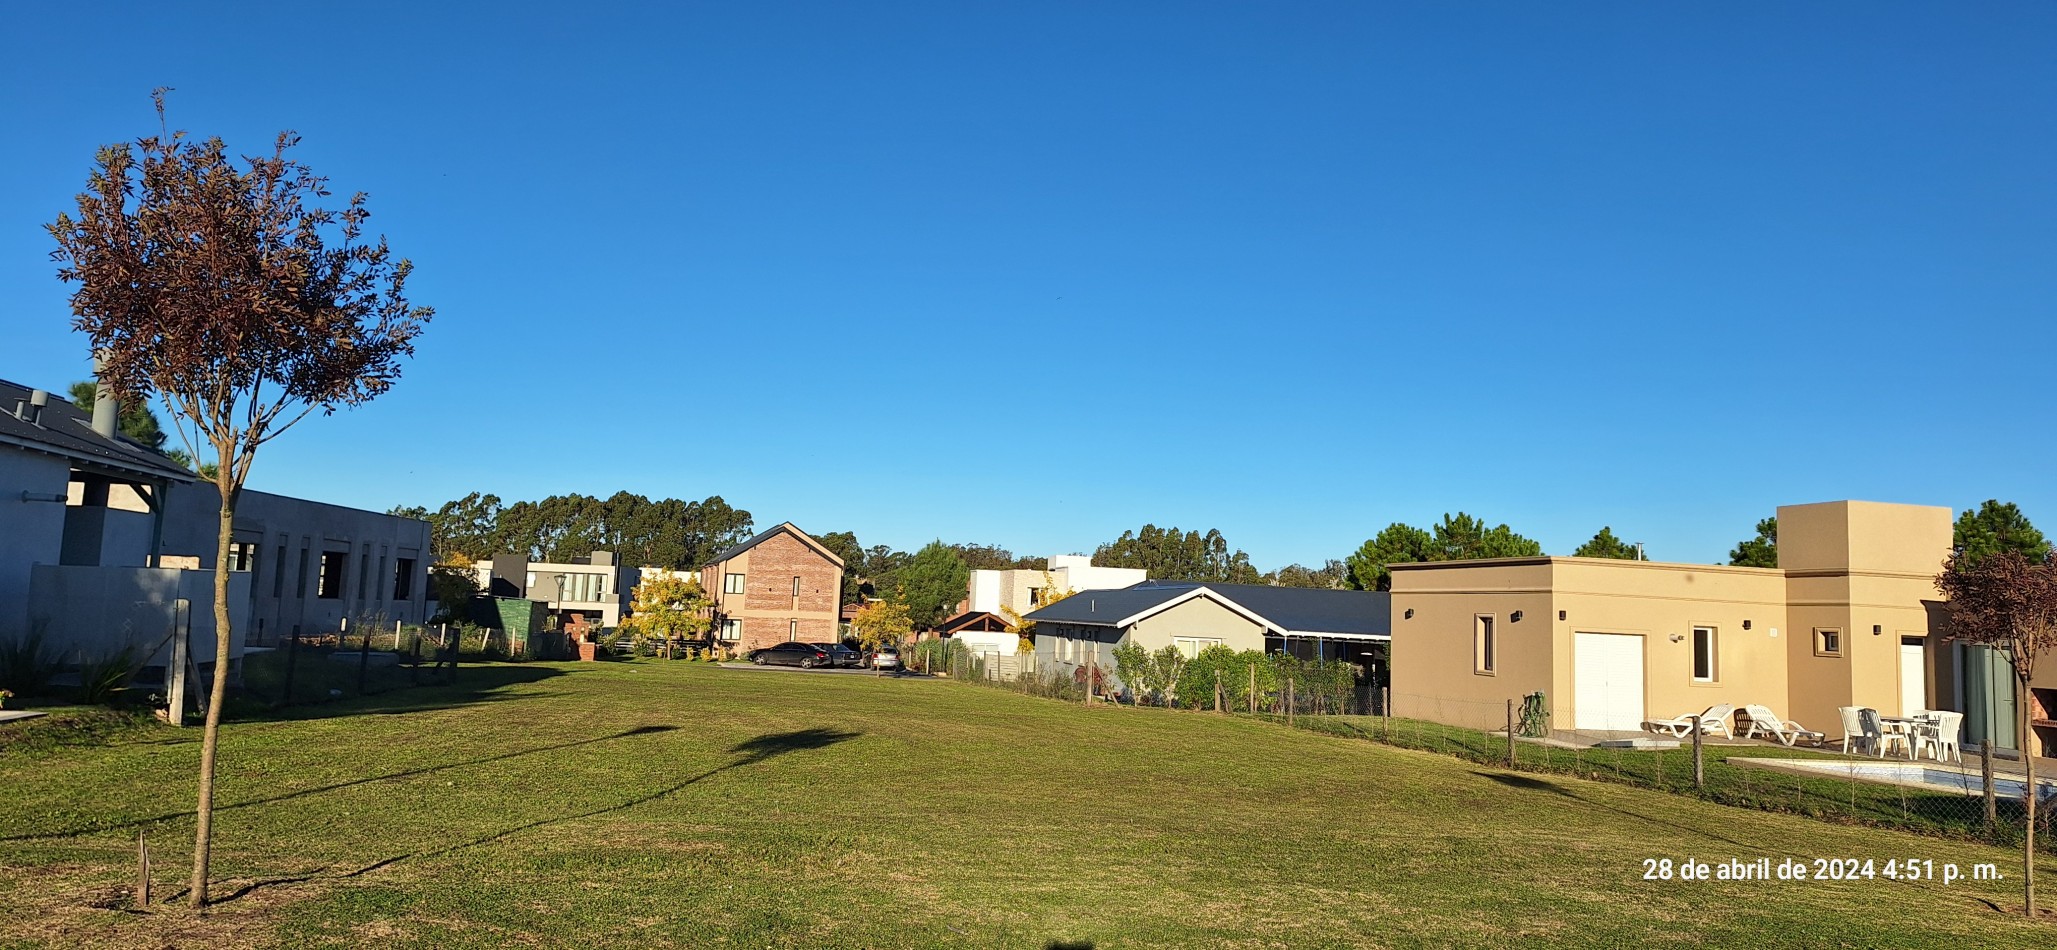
2008	602
222	286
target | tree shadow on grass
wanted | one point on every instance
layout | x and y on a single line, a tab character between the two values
300	793
473	685
1531	783
750	752
1068	945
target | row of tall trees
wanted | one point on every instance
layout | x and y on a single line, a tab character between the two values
668	532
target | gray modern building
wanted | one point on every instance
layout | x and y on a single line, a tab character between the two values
102	539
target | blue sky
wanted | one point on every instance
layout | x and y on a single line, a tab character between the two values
1032	274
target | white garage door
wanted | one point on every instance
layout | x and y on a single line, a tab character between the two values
1607	684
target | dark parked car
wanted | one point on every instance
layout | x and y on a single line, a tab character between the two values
803	655
840	655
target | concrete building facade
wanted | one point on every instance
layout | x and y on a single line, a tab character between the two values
1020	591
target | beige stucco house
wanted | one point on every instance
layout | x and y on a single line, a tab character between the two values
1844	620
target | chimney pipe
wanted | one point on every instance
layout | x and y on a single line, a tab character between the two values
106	412
37	400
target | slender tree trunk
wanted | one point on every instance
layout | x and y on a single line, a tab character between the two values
210	735
2028	797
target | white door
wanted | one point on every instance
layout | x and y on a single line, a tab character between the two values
1913	677
1607	681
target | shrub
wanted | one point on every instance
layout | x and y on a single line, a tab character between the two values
24	668
1195	688
101	677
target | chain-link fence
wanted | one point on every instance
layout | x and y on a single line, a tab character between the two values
1928	786
1936	786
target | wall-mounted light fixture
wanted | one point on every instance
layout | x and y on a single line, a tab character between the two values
1408	614
1514	617
1560	615
1746	624
42	496
1676	637
1877	629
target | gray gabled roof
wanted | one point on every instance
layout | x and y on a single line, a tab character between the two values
762	536
1287	610
66	430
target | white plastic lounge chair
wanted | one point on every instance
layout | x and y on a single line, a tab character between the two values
1713	722
1764	722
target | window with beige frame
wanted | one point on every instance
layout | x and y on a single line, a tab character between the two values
1484	645
1828	641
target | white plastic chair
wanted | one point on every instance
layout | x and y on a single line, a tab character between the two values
1868	737
1940	736
1875	733
1787	732
1713	722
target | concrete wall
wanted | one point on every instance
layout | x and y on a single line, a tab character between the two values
90	612
374	544
31	532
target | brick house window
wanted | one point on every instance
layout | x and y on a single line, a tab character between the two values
732	630
793	630
732	584
796	585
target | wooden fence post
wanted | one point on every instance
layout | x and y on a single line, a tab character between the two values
1510	733
1699	763
1253	689
142	869
1217	690
1985	770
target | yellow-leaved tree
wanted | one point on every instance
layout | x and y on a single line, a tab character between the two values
1045	595
668	607
882	623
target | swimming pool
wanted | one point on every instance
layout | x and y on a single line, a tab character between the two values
1941	778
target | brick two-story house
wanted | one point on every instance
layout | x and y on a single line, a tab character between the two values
780	585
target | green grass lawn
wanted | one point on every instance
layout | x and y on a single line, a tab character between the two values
677	804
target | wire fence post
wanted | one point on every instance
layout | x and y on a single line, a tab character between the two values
1385	705
292	657
1217	691
1510	733
1253	689
1289	702
1985	771
363	656
1699	764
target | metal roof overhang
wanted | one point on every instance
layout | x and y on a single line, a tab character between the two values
1319	635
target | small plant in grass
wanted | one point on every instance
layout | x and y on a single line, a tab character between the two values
5	695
